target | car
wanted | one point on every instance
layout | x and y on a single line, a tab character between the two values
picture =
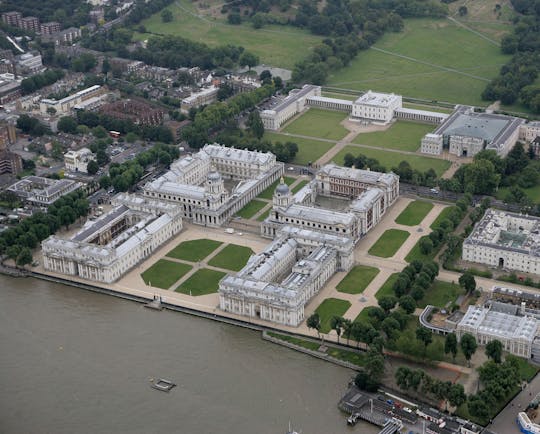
434	190
290	168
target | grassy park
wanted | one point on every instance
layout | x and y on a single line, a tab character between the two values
440	294
414	213
388	286
232	257
164	273
194	250
299	186
202	282
416	254
264	215
389	243
319	123
532	193
442	216
251	208
402	135
269	192
391	159
329	308
357	279
309	150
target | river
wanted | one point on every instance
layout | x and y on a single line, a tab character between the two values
73	361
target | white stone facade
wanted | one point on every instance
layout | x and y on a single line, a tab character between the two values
106	248
375	106
432	144
77	161
43	191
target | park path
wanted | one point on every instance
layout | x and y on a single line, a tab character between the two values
460	24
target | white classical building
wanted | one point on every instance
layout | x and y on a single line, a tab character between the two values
42	191
276	284
375	106
106	248
77	161
213	184
367	195
505	240
502	322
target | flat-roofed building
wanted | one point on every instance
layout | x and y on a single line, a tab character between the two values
30	23
106	248
50	28
43	191
77	161
376	106
203	97
12	18
65	105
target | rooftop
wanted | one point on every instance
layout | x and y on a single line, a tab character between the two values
377	99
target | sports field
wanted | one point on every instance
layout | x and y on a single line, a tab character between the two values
392	159
405	136
309	150
319	123
279	46
430	59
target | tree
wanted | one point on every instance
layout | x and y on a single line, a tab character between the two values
346	325
248	59
234	19
166	16
468	346
314	322
131	137
335	324
456	395
92	167
424	336
450	345
255	124
425	245
99	132
494	350
374	365
467	281
387	303
348	160
390	326
24	257
407	303
462	11
67	124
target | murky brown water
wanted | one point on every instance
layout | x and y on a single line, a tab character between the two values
72	361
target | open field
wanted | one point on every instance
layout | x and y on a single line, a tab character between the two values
251	208
309	150
194	250
348	97
269	192
392	159
414	213
532	193
232	257
389	243
319	123
427	107
357	279
164	273
430	59
402	135
440	294
202	282
275	45
387	288
329	308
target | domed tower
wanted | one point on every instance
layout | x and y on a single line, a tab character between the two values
214	183
282	195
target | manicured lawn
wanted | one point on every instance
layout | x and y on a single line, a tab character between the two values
440	294
388	287
340	96
391	159
415	253
389	243
433	59
232	257
405	136
275	45
527	370
202	282
442	216
329	308
309	150
363	316
532	193
357	279
414	213
194	250
264	215
427	107
251	208
319	123
164	273
299	186
269	192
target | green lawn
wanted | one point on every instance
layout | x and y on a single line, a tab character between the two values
269	192
251	208
202	282
264	215
319	123
532	193
391	159
442	216
363	316
299	186
344	96
389	243
357	279
414	213
431	59
232	257
309	150
275	45
164	273
388	287
402	135
415	253
194	250
440	294
430	108
329	308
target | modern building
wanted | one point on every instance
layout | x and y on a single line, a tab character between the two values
30	63
63	37
77	161
41	191
12	18
9	161
505	240
203	97
503	322
50	28
340	200
64	106
106	248
280	111
30	23
466	132
213	184
276	284
375	106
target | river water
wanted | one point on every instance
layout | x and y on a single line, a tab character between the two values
73	361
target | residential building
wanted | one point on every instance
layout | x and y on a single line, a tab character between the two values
41	191
64	106
63	37
137	111
203	97
9	161
10	90
12	18
77	161
29	63
50	28
106	248
30	24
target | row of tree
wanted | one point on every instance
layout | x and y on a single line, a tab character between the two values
35	82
